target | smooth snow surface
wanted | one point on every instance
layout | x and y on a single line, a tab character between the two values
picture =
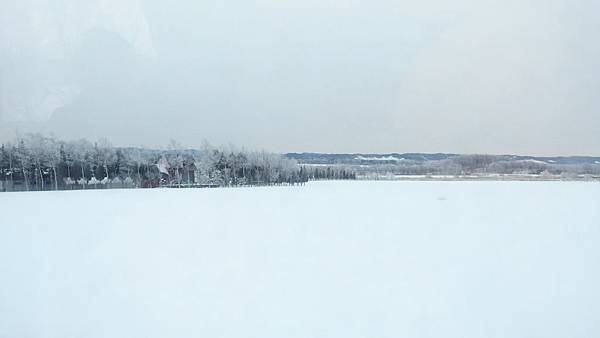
343	259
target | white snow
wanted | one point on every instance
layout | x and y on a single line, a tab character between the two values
534	161
343	259
381	159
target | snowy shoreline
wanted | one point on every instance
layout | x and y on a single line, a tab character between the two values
493	178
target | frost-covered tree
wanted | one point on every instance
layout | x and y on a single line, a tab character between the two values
104	155
25	160
50	164
6	170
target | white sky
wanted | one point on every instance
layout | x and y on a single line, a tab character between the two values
331	76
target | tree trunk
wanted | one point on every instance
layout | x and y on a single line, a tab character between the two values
26	179
42	178
82	177
12	183
36	176
39	172
55	179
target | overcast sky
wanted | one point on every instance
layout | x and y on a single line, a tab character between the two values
466	76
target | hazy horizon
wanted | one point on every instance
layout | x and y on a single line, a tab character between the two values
510	77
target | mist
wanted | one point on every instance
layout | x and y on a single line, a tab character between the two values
328	76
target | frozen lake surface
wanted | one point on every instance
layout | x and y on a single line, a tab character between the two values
330	259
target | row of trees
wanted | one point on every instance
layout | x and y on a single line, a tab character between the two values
480	165
39	162
330	172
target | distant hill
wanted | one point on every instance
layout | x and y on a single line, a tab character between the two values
395	158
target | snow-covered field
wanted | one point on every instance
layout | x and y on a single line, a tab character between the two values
330	259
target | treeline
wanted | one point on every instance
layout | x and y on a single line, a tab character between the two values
39	162
315	173
459	165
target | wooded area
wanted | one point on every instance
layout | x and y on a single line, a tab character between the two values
39	162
